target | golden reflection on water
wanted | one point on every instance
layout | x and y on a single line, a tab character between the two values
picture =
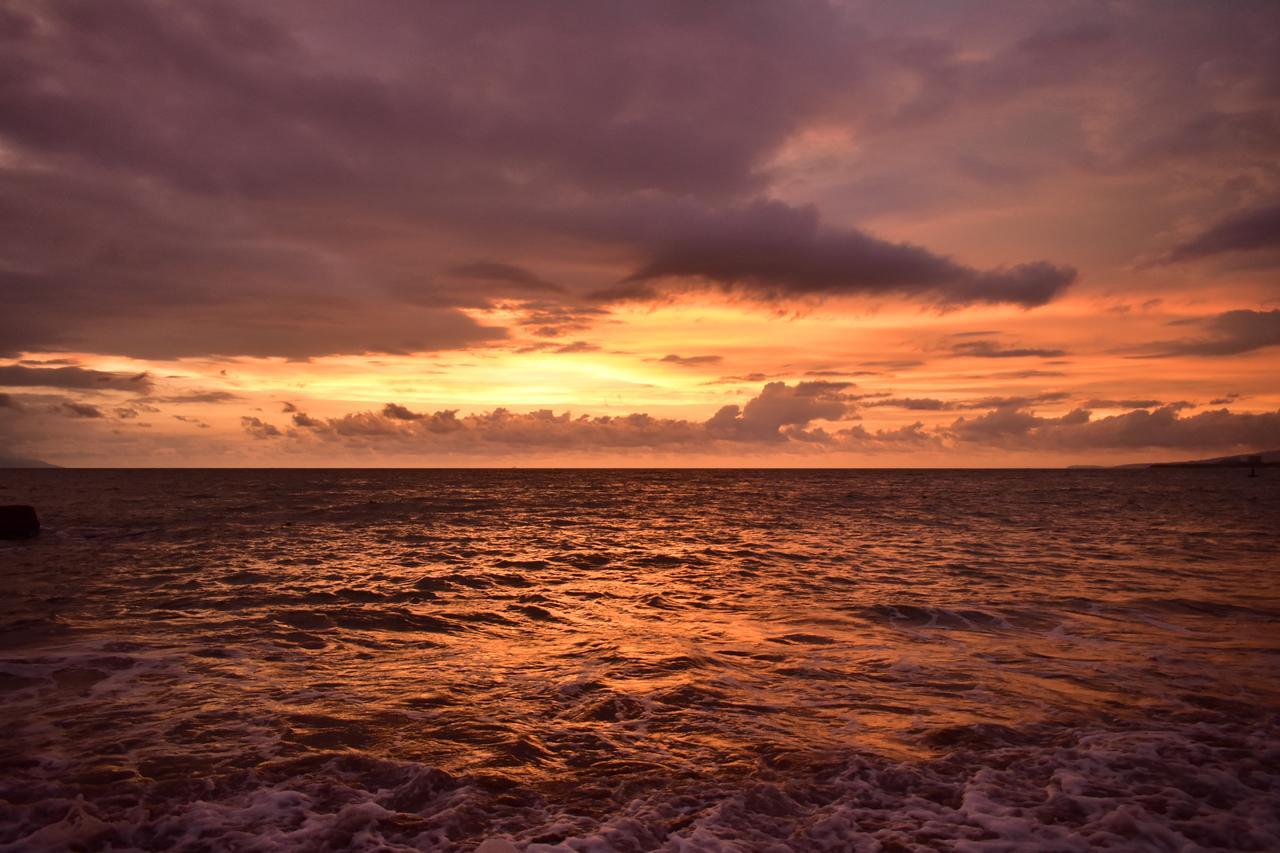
582	631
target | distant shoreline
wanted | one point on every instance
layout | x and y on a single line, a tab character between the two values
1138	466
1265	459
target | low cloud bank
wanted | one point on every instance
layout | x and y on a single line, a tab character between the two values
1021	429
806	416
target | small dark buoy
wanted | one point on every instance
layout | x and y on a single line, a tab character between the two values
18	521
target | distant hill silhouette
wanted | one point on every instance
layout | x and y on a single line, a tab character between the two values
1240	460
1263	459
7	461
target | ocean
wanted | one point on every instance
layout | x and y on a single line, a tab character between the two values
622	660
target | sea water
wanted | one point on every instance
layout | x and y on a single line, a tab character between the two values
641	660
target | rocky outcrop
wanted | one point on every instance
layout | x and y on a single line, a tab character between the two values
18	521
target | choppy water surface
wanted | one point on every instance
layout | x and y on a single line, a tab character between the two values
586	660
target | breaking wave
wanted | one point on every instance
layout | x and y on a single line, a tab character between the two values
626	661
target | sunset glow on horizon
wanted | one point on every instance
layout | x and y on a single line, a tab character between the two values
844	234
681	425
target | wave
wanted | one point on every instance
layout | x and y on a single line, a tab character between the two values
1192	785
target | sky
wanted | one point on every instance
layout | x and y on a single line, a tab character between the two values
638	234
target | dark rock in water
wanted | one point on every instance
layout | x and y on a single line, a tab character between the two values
18	521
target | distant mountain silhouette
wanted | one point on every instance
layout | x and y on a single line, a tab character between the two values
1264	459
7	461
1240	460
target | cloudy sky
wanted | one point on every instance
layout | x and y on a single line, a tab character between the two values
660	233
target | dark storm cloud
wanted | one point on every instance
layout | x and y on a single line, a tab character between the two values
491	271
1228	333
1122	404
1244	134
18	376
239	179
547	320
548	346
743	378
992	349
1022	374
293	179
72	409
930	404
691	360
1248	230
7	401
894	364
578	346
302	419
134	408
914	404
257	428
395	411
772	251
198	397
1020	400
296	179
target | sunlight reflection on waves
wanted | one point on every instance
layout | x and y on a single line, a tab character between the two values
818	659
